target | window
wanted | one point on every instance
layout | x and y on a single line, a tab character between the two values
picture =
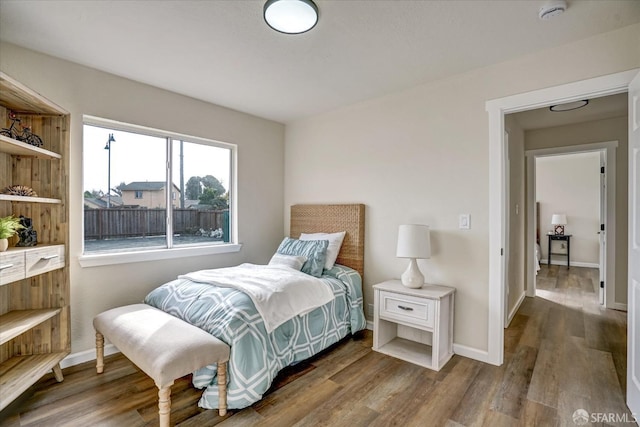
148	189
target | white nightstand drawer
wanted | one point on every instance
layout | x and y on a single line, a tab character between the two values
419	311
11	267
44	259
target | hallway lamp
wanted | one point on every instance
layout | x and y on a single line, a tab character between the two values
413	243
558	221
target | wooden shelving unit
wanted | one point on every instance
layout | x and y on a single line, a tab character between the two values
34	306
25	199
19	148
15	323
19	373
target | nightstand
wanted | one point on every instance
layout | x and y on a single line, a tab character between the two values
415	325
564	238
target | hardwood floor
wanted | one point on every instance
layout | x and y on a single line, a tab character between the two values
563	353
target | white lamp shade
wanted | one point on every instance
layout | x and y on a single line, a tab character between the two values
413	241
559	219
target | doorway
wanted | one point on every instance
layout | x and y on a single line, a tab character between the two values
585	178
624	82
591	88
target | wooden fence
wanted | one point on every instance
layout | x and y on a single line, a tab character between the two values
116	223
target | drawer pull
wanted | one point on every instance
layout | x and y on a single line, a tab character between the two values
402	307
49	257
5	266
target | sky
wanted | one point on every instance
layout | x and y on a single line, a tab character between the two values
136	157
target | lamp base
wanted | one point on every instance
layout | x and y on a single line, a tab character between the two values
412	277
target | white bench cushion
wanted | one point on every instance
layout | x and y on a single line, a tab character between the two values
163	346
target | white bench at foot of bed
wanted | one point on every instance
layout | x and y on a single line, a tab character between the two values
163	346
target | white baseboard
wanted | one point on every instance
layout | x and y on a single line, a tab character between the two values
619	306
515	309
370	325
471	353
573	263
86	356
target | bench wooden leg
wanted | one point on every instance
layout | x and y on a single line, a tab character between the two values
164	405
222	388
99	352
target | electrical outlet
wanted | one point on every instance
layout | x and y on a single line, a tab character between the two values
370	310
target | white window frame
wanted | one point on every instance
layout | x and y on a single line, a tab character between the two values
171	252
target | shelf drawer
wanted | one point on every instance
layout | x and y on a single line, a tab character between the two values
11	267
414	310
44	259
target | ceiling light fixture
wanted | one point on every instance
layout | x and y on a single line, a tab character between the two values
552	9
568	106
291	16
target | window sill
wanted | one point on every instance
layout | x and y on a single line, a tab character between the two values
154	255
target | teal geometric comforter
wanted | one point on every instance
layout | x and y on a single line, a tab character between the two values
256	357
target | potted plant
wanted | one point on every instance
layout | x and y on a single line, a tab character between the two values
9	226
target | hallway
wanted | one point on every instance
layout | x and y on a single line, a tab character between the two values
581	346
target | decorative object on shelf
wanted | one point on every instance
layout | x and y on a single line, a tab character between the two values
9	226
291	16
413	243
28	236
558	221
24	135
20	190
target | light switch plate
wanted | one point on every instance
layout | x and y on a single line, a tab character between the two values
464	221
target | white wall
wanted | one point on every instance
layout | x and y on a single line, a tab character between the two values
421	156
570	184
82	90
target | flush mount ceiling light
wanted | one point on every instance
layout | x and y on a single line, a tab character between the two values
291	16
568	106
552	9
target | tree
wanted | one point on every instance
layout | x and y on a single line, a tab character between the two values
210	197
193	188
93	194
212	182
118	190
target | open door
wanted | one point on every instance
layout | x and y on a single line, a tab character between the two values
507	219
601	232
633	333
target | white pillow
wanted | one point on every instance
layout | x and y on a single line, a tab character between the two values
294	261
335	242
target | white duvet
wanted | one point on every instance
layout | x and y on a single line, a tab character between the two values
278	292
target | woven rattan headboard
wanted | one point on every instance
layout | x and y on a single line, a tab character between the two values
332	219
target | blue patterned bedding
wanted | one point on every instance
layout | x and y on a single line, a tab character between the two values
257	357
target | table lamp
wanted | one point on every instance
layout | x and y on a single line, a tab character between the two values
558	221
413	243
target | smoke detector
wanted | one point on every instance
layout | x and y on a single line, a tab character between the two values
552	9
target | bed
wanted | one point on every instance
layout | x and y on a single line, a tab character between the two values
259	347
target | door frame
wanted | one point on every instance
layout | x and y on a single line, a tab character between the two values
497	108
609	149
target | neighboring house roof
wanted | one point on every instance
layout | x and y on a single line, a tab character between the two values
91	202
101	203
145	185
188	203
